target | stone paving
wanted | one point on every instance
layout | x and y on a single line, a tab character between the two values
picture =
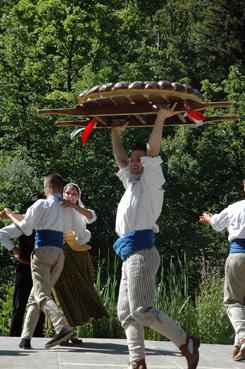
107	353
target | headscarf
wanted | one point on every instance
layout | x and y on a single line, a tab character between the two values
80	203
71	184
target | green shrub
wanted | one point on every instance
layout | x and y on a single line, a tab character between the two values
6	308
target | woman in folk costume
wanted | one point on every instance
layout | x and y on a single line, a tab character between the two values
74	291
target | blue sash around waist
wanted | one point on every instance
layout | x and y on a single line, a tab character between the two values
134	241
237	246
46	237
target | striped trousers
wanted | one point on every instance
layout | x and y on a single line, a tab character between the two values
135	303
46	266
234	294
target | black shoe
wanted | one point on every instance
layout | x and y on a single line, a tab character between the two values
76	341
64	334
72	341
190	351
25	343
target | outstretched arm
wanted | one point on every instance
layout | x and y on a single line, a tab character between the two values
154	143
218	221
118	149
4	216
15	218
68	204
205	218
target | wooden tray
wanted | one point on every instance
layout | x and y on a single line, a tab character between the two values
138	103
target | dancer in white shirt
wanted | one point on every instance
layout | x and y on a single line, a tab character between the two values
232	218
50	220
137	214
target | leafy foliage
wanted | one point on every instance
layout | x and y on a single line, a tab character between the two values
51	50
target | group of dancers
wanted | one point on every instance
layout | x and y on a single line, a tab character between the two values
138	210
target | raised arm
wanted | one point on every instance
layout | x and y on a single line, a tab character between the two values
118	149
15	218
154	143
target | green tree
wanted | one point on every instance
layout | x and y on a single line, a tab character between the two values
204	168
218	37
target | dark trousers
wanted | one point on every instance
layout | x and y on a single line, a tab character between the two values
23	286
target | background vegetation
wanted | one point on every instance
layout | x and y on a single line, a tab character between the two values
51	50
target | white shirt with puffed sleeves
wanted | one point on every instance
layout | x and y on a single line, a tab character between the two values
233	219
48	214
141	204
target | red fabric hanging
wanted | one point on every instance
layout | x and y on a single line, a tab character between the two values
87	130
194	116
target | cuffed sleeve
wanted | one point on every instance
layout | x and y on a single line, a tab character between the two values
220	221
8	233
93	219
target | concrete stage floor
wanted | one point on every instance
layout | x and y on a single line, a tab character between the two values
107	353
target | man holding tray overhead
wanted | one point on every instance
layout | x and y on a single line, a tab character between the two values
137	213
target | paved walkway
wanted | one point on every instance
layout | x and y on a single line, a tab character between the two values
107	353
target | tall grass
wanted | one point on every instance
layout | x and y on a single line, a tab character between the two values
212	320
107	285
199	312
172	297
